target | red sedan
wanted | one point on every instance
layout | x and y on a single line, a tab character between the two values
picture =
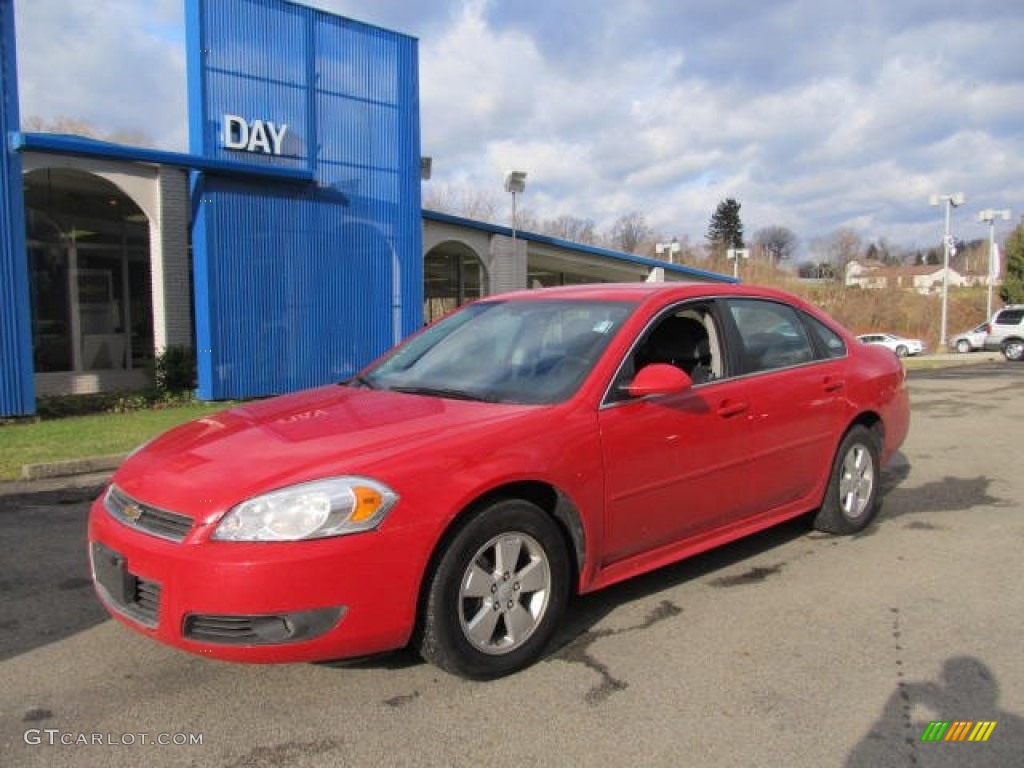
524	449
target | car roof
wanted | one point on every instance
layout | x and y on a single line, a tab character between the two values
639	292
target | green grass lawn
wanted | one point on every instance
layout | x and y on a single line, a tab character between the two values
80	437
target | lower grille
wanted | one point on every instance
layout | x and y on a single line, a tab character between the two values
260	630
145	608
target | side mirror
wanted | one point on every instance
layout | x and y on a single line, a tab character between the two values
659	379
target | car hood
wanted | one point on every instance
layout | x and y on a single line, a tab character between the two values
217	461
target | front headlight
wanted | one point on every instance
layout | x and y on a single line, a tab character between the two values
315	510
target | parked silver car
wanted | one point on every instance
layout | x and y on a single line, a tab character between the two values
970	341
901	346
1006	332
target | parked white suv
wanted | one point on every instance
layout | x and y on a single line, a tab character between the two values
1006	332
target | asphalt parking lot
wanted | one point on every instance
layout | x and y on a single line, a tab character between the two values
791	648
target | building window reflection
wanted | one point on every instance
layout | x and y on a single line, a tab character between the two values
451	278
89	273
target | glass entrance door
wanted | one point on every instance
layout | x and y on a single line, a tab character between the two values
89	267
99	288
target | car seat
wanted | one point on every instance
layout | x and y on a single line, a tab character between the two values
682	342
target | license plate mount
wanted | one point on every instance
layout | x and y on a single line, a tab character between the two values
111	569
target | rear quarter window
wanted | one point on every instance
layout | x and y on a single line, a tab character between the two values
830	343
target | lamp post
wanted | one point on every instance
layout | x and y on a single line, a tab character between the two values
515	182
989	216
951	202
735	254
670	248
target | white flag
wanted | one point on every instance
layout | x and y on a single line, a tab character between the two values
993	262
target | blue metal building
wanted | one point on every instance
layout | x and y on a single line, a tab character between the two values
300	283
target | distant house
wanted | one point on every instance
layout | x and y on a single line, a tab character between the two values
923	279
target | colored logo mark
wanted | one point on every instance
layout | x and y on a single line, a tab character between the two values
958	730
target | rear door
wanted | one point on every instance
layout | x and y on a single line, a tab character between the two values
794	367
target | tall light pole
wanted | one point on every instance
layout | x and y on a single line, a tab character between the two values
989	216
951	202
670	248
515	182
735	254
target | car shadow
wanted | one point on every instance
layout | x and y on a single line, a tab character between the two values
582	626
46	586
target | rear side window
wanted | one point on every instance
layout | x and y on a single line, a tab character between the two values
1010	317
772	334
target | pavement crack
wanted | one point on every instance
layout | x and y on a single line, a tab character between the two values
579	652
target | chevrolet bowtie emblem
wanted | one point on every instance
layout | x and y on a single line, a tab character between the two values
132	512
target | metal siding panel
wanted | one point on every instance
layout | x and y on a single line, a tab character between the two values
300	285
17	389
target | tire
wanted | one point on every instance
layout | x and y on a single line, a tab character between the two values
1013	349
963	346
851	500
483	618
901	351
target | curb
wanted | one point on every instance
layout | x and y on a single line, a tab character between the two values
87	466
66	486
950	360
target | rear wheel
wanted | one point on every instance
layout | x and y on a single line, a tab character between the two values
851	500
1013	349
497	593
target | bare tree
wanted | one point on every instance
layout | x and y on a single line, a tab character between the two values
630	232
570	228
463	201
74	126
775	243
839	248
526	220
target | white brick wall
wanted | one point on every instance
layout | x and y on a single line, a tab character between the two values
507	268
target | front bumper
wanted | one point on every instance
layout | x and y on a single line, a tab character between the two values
264	601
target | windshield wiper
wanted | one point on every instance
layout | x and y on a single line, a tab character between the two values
453	394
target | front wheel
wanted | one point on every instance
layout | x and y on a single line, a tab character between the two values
1013	350
901	351
497	594
851	500
963	346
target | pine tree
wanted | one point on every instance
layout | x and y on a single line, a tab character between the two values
1012	291
726	228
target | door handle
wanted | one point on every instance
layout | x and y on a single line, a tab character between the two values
727	409
834	385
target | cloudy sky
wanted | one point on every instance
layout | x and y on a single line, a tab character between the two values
813	114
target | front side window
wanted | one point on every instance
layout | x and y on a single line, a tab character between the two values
531	352
686	337
1010	317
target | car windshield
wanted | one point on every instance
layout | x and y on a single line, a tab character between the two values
532	352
